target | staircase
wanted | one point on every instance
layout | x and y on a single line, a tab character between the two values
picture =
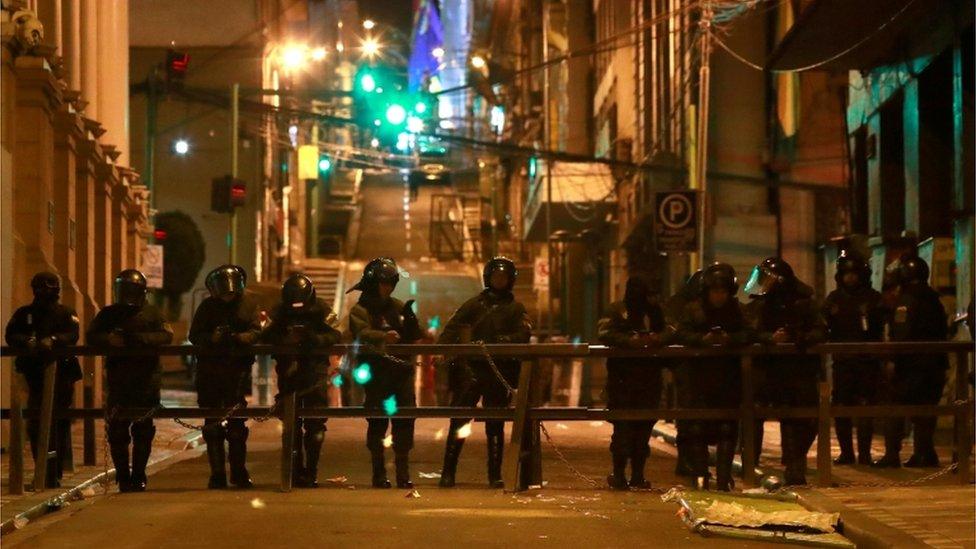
327	275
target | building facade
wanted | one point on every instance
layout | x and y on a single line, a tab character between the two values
70	203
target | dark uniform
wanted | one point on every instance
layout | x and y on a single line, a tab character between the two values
39	327
674	308
387	380
493	316
133	382
783	304
917	315
712	382
854	312
632	383
226	319
304	320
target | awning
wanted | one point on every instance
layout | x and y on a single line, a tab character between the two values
846	34
582	196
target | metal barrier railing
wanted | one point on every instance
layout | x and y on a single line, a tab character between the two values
525	417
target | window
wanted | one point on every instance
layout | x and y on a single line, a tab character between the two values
892	166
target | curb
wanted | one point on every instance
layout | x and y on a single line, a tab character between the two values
863	530
54	503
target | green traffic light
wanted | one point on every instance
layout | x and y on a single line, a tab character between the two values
367	83
396	114
325	164
420	108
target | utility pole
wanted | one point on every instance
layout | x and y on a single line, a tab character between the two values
232	225
547	132
701	161
152	105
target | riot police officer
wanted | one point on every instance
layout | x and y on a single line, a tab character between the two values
713	318
854	312
377	319
492	316
133	382
306	321
783	310
226	320
632	382
39	328
673	311
916	315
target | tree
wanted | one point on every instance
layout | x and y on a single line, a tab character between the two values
184	251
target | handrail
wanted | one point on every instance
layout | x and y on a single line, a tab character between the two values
523	350
525	416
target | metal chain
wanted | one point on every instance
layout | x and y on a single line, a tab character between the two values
562	458
952	467
494	368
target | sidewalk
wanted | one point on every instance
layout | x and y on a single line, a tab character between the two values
877	506
88	480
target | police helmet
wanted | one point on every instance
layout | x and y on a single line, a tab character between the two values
503	265
46	286
772	275
227	280
129	288
297	292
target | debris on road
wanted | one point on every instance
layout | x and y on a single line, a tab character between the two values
413	494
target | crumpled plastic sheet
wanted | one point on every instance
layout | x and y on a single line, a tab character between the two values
735	514
738	515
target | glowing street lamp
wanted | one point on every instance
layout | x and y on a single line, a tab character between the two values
293	57
478	62
371	47
181	146
318	54
368	24
437	52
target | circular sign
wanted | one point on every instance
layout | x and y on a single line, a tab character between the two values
675	211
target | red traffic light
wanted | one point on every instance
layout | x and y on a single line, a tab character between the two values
159	235
177	63
238	193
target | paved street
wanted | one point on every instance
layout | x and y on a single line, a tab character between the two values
178	511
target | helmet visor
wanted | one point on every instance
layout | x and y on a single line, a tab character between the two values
761	282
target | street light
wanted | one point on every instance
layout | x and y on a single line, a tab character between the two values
367	83
437	52
368	24
370	47
181	146
293	56
319	54
478	62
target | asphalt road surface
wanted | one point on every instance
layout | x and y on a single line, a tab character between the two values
178	510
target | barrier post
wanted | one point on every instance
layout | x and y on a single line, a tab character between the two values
748	423
512	460
823	435
287	440
88	399
44	427
16	486
963	419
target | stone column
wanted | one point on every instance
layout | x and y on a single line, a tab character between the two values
38	97
88	39
106	178
120	229
71	41
85	207
113	73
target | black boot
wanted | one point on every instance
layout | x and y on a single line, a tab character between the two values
120	459
924	446
724	454
237	456
865	432
141	448
313	449
845	439
496	449
637	479
794	456
213	434
452	452
682	467
618	479
401	460
379	469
